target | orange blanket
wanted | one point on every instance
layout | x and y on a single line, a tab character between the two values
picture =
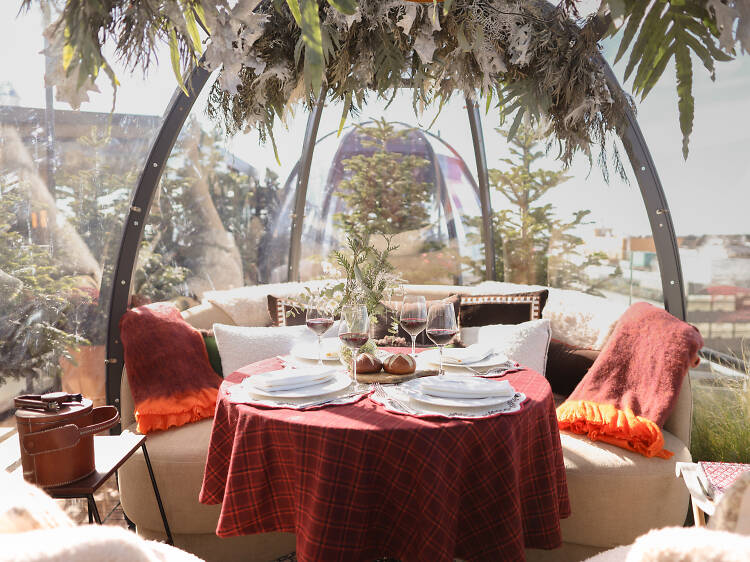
168	369
633	385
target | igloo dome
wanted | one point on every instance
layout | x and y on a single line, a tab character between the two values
411	185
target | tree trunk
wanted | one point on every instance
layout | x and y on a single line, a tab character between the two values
68	247
212	256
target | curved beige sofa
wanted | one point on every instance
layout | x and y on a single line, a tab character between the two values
615	495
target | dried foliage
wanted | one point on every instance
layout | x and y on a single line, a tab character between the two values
672	30
529	60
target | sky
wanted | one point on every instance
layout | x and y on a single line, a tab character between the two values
708	194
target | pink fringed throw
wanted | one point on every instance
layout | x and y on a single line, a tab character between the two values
633	385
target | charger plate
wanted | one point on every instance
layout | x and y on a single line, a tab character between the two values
422	410
338	382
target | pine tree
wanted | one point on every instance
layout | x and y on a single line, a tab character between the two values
532	244
382	192
35	329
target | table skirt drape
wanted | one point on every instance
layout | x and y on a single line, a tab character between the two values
355	482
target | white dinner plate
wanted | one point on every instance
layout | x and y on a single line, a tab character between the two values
339	382
432	356
412	388
309	350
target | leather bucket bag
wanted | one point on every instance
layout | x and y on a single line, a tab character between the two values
56	432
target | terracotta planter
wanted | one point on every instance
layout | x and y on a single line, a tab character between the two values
87	374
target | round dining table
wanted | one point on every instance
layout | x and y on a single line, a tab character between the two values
357	482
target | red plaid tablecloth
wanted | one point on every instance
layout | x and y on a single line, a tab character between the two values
356	482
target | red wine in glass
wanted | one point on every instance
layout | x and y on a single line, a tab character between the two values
441	327
319	319
413	325
413	317
320	325
441	336
354	340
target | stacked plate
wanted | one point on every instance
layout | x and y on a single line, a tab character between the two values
452	396
475	358
294	388
459	391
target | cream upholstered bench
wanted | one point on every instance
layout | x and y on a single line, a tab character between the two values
615	495
178	457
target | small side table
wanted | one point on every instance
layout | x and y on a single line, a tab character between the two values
110	452
701	503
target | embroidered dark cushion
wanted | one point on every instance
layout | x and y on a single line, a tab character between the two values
488	310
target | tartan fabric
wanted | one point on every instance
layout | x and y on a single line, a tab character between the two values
356	482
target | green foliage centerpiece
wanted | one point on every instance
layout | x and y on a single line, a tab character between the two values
368	278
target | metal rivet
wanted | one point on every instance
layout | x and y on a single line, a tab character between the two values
671	282
643	168
122	282
135	223
155	165
661	225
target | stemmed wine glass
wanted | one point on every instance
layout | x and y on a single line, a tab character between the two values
319	319
413	317
354	328
441	327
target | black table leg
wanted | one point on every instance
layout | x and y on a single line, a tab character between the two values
170	541
93	509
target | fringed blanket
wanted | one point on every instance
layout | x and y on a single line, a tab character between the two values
168	368
633	385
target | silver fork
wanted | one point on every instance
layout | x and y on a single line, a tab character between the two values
397	404
491	370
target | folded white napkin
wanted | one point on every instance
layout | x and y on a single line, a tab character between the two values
288	379
466	355
457	386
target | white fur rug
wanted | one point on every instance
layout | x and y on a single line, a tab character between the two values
87	543
681	544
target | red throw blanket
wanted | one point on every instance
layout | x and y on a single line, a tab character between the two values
168	368
633	385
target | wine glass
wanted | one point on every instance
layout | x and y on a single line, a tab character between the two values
441	327
319	319
413	317
354	328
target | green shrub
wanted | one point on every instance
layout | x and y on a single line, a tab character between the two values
721	421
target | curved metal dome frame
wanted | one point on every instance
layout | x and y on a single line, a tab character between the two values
179	107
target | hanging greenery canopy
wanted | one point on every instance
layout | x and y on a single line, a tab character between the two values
522	58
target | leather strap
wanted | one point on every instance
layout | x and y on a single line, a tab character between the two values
50	440
51	402
104	417
66	436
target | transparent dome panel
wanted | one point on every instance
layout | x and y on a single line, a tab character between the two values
66	178
567	227
708	199
388	174
221	216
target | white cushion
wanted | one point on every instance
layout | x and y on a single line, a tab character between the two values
580	319
526	343
248	306
242	345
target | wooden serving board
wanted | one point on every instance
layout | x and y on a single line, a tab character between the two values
387	378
